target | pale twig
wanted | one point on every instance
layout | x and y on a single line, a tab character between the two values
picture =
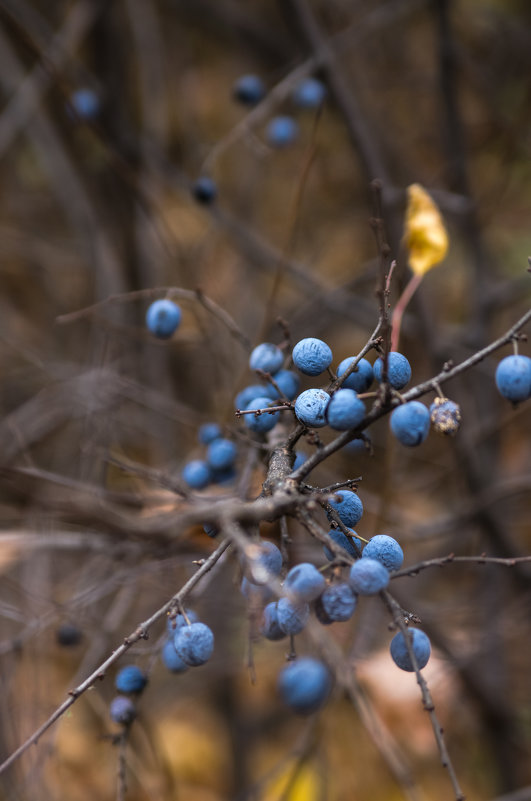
412	570
398	619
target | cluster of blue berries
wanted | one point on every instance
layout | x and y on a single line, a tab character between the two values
281	131
341	409
305	683
130	681
218	466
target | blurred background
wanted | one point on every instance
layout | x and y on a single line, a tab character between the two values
110	112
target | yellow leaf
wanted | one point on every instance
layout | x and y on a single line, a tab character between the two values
425	235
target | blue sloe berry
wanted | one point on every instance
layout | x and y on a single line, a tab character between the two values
398	370
86	103
288	383
208	432
269	626
282	131
513	378
196	474
304	582
68	634
292	616
211	530
368	576
445	416
305	685
361	378
420	643
205	190
247	394
221	453
194	643
309	93
171	658
312	356
249	90
336	604
261	423
122	710
264	560
386	550
225	476
310	407
410	423
348	505
130	679
345	410
256	594
162	318
344	542
266	357
300	458
174	623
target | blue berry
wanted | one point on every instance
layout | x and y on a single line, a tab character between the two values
194	643
130	679
300	458
269	626
305	685
257	594
386	550
336	604
171	658
249	90
282	131
410	423
210	530
122	710
204	190
246	395
309	93
266	357
355	446
304	582
221	454
445	416
345	410
225	476
398	370
86	103
349	507
421	648
361	378
174	623
208	432
261	423
513	378
368	576
288	383
163	318
344	542
196	474
68	634
264	560
310	407
292	617
312	356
